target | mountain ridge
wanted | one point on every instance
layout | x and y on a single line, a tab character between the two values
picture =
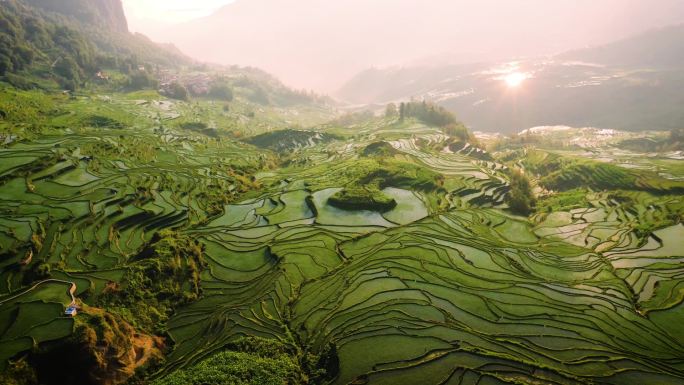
659	47
565	89
109	13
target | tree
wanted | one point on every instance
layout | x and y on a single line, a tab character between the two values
5	65
520	198
221	91
178	91
458	131
140	80
259	96
391	111
69	71
428	113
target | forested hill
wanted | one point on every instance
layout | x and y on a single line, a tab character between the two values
42	48
104	13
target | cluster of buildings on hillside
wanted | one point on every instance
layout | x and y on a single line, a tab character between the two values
196	83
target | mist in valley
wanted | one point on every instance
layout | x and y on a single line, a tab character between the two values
319	44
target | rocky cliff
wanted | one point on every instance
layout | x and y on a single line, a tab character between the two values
107	14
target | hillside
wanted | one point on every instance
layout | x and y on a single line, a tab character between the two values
657	49
339	257
41	48
636	86
377	85
103	13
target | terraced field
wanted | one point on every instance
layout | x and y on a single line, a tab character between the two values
445	288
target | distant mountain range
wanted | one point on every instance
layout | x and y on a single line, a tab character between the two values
632	84
657	49
321	44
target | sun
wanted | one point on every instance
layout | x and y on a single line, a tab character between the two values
515	79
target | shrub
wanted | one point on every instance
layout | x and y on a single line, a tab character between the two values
100	121
178	91
380	148
221	91
141	80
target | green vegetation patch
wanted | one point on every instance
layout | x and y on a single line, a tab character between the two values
600	176
289	140
362	198
561	173
100	121
403	175
257	362
381	148
520	198
164	275
371	177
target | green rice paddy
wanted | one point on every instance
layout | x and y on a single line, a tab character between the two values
445	288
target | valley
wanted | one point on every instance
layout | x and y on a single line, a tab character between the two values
436	277
169	222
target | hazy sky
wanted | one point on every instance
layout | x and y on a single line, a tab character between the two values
319	44
168	11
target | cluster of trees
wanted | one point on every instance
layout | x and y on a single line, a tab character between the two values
27	39
36	45
285	97
458	130
365	197
392	173
352	118
430	114
221	90
253	90
380	148
101	121
200	127
520	198
177	91
259	361
254	361
262	88
140	80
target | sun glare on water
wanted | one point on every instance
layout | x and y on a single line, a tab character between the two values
515	79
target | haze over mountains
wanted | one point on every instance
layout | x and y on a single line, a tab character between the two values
321	44
632	84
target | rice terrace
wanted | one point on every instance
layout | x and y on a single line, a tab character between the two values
165	221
